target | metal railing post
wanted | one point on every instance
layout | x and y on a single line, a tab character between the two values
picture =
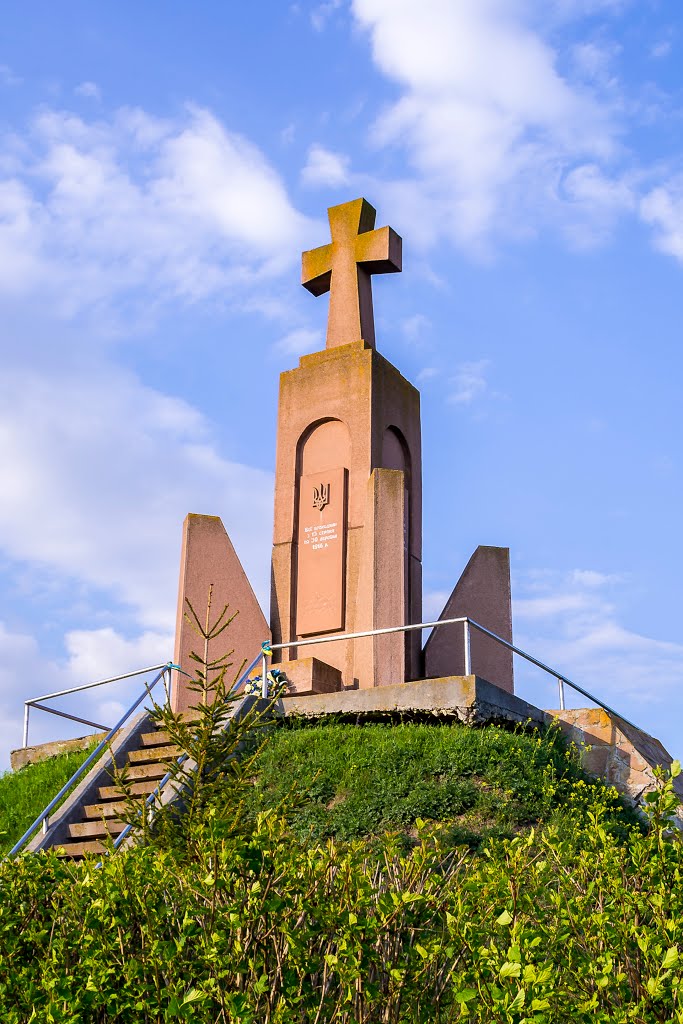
468	648
560	685
27	708
264	676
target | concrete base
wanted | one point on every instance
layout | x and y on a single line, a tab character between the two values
309	676
466	699
31	755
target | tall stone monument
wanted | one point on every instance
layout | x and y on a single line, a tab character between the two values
347	542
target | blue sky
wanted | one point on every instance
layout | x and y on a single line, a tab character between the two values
161	168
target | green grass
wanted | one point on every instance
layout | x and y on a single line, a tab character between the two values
350	782
24	794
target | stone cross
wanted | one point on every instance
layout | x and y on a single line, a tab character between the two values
344	266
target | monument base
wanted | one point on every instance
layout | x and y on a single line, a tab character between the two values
310	676
466	699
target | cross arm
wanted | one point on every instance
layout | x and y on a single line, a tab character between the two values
379	251
316	269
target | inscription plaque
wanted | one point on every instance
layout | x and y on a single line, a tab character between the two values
321	552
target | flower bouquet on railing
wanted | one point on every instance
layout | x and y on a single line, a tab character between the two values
277	685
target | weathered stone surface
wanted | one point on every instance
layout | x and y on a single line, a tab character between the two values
41	752
381	660
482	593
625	757
466	699
310	675
347	408
209	561
344	266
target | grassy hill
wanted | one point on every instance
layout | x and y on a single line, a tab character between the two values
25	793
348	782
530	896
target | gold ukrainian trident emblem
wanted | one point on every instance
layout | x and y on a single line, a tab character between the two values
321	496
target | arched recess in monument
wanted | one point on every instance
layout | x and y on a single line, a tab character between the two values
325	444
323	459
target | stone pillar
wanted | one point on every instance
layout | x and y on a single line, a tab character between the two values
208	559
382	581
345	413
482	593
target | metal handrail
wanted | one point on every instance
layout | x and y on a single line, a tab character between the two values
80	771
33	702
467	622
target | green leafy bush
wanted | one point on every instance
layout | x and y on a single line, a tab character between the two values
552	926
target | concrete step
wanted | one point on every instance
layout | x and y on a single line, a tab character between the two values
146	771
156	738
93	847
167	753
136	789
110	809
91	829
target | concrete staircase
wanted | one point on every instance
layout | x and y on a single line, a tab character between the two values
90	815
145	765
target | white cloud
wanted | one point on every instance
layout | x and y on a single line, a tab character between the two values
8	77
662	208
594	61
416	327
100	653
589	185
98	474
95	209
469	382
487	119
19	660
325	168
321	14
91	655
570	621
661	49
89	90
591	578
299	341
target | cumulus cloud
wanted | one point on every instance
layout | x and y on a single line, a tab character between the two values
325	168
486	117
570	621
93	209
98	470
91	655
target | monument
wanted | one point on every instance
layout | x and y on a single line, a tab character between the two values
347	539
